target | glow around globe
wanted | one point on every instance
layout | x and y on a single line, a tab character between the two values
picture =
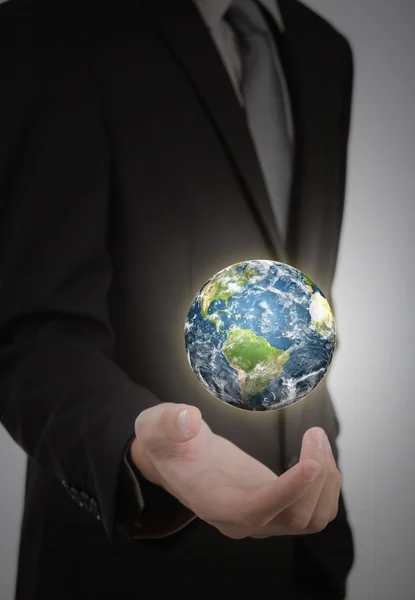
259	335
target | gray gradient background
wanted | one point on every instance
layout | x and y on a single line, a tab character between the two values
371	375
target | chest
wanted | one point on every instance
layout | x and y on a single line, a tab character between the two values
178	206
184	166
184	204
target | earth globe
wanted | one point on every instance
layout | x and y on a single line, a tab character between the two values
259	335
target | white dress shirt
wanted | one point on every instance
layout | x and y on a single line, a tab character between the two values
212	12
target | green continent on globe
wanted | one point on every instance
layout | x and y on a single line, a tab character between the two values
222	286
255	360
309	283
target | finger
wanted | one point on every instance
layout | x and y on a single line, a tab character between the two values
314	445
298	515
333	484
164	425
324	506
336	490
336	499
259	507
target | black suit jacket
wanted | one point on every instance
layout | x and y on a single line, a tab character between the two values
128	177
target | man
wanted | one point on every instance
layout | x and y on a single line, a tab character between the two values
132	169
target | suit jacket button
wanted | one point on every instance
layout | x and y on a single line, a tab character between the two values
85	500
75	496
94	509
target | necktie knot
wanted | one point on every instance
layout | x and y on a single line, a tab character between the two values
246	18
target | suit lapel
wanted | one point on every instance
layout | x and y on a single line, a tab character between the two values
315	82
183	28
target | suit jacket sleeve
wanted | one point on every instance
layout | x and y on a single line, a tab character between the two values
145	510
63	398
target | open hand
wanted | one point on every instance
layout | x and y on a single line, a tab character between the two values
227	487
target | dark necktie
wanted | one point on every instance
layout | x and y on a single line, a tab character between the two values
264	104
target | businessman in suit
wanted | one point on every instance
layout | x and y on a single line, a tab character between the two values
145	147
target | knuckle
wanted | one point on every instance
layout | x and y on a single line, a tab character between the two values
317	525
334	513
297	522
137	424
181	452
236	535
289	500
162	452
254	521
249	519
231	531
335	473
141	421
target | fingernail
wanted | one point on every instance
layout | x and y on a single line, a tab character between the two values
182	422
310	471
319	437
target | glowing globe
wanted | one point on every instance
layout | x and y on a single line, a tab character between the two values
259	335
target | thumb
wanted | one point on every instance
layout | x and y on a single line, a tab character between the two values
268	501
166	424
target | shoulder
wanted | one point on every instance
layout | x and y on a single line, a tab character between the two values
307	22
44	46
323	45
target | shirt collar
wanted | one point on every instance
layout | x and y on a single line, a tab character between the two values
214	10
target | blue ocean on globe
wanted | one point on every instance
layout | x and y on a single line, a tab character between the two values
259	335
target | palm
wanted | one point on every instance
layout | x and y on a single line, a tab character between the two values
231	490
216	473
